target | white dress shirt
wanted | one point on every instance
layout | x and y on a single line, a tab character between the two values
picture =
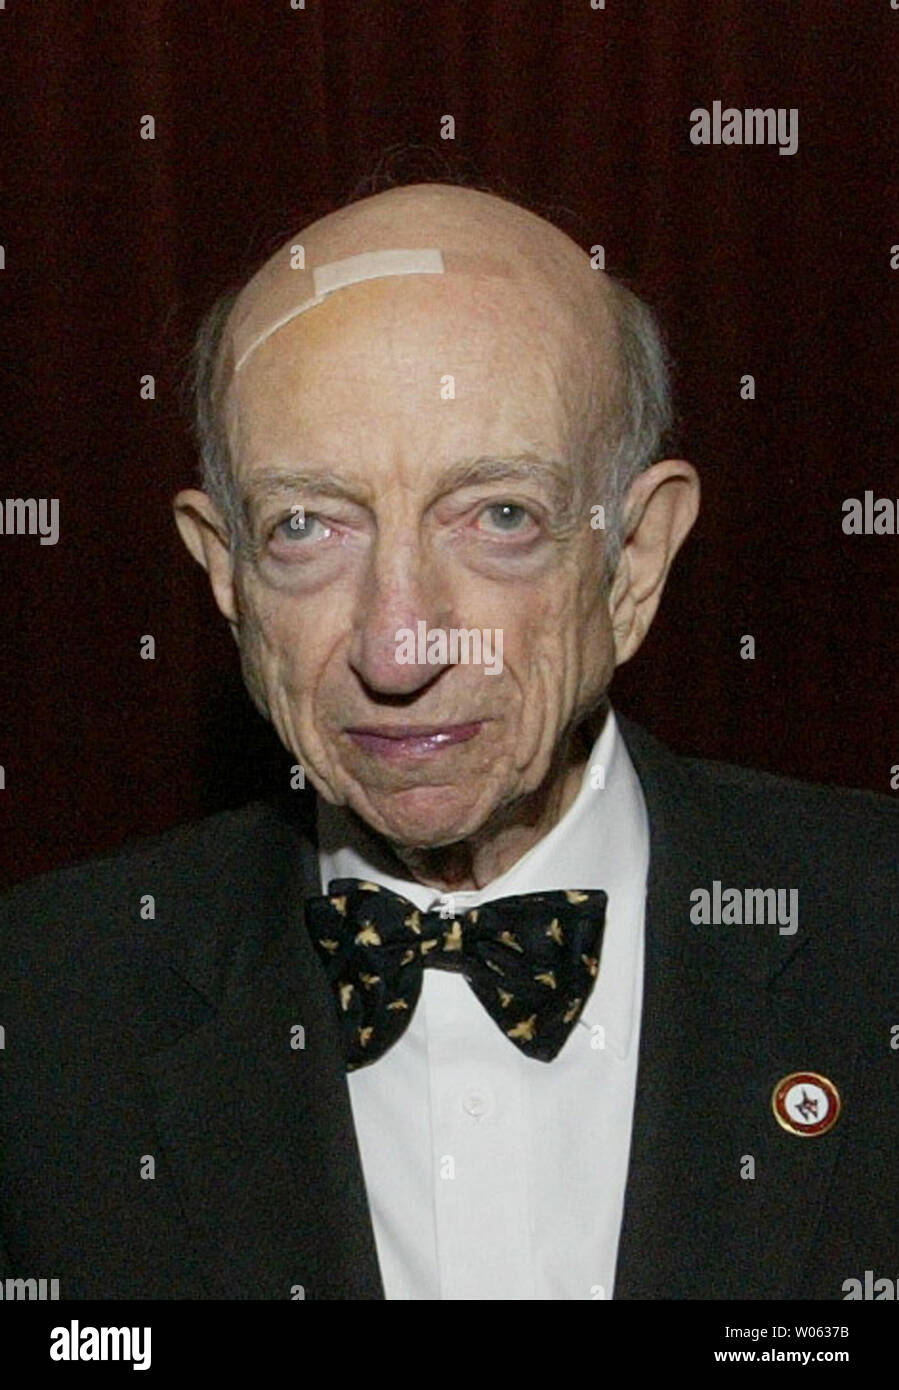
491	1175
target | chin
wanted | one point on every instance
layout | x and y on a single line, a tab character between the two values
426	817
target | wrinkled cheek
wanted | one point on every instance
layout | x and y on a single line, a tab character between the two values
268	667
597	661
290	703
288	672
253	670
565	676
536	712
589	647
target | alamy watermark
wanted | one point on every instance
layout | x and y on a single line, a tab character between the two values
871	1289
437	646
728	125
30	516
25	1290
870	516
753	906
86	1343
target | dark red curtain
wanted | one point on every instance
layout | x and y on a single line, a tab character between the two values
774	265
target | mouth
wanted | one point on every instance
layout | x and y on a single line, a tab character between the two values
403	741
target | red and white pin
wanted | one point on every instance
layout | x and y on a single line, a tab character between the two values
806	1103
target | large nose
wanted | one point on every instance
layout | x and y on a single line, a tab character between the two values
403	585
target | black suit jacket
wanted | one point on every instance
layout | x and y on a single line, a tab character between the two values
128	1040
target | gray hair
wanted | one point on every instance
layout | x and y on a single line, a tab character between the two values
636	432
630	436
206	382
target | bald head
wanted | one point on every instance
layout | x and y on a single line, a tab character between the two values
471	233
615	375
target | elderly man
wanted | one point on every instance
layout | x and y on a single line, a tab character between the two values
541	1011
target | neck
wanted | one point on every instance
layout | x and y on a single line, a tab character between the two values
472	863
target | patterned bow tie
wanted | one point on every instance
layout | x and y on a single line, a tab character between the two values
531	960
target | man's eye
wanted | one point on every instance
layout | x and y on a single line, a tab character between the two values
300	526
506	516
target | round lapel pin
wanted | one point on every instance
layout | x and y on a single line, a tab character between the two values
806	1103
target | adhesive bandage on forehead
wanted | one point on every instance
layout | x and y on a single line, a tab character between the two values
278	304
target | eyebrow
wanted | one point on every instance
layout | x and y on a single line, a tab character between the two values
271	482
552	473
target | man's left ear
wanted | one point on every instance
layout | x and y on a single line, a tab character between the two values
659	511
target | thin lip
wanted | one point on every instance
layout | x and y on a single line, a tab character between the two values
404	731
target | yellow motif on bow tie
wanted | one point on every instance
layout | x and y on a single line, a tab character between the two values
571	1011
492	965
473	913
346	994
505	998
413	922
365	1036
555	931
408	957
369	980
368	936
369	887
328	945
574	896
398	1004
427	946
508	939
546	977
340	904
525	1029
452	939
592	964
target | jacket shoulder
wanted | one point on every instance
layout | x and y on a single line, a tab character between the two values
841	834
196	873
834	821
183	848
757	790
790	794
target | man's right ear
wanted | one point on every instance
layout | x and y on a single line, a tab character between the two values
205	534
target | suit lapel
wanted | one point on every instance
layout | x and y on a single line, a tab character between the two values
256	1134
721	1026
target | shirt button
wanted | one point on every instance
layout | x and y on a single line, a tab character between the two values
476	1103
